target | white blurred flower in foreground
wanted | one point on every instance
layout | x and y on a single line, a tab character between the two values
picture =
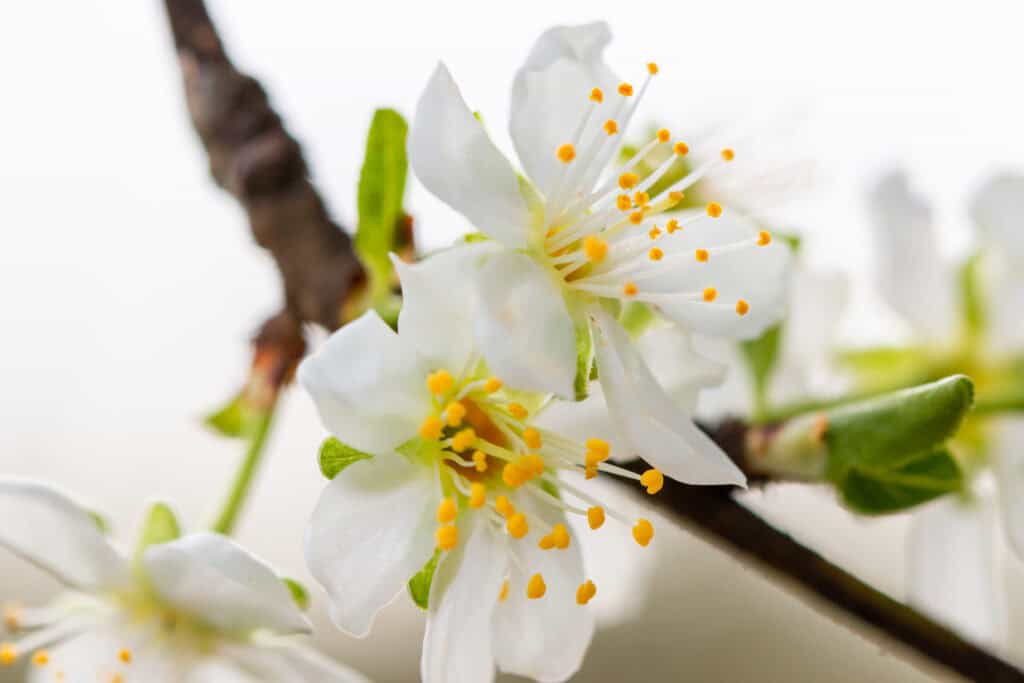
199	609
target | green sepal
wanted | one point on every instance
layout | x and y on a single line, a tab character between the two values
160	526
299	593
636	317
474	238
419	585
760	356
972	296
336	456
919	481
236	419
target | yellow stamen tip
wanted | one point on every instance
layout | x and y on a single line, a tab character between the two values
642	199
492	385
446	511
714	209
595	517
546	542
655	254
629	289
430	428
643	532
728	154
653	480
626	90
654	232
480	461
595	248
125	656
565	153
681	148
536	588
672	226
439	382
664	135
675	196
41	658
517	411
532	464
464	440
636	218
611	127
560	536
597	95
586	592
599	446
628	180
454	412
8	654
742	307
447	537
503	594
517	525
477	495
624	202
701	255
514	475
764	238
710	294
589	472
12	618
504	506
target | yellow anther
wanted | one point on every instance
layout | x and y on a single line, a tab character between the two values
728	154
595	248
514	475
517	411
710	294
517	525
117	678
654	232
599	446
589	472
493	384
597	95
454	412
532	438
624	202
714	209
565	153
464	440
636	218
446	511
653	480
701	255
532	464
12	618
664	135
430	428
586	592
742	307
546	542
628	180
681	148
447	536
439	382
591	460
477	495
125	655
504	506
480	461
536	588
595	517
7	654
503	594
643	532
560	535
655	254
675	196
672	226
652	68
629	289
41	658
611	126
626	90
642	199
764	238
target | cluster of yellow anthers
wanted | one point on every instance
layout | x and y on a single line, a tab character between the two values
489	449
586	230
9	653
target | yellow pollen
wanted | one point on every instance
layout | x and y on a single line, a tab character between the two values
536	588
764	238
12	618
643	532
532	438
595	248
493	384
532	464
628	180
728	154
480	461
655	254
595	517
586	592
430	428
589	472
446	511
41	658
477	495
611	126
626	90
517	411
624	202
599	446
652	480
448	536
664	135
675	196
565	153
439	382
464	440
592	460
7	654
125	655
701	255
517	525
560	535
742	307
652	68
514	475
642	198
596	95
629	289
454	412
117	678
672	226
546	542
636	218
503	594
504	507
714	209
710	294
654	232
681	148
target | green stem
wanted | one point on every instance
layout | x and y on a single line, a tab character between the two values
232	508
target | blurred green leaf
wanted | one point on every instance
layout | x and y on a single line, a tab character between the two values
760	356
879	492
160	526
299	593
235	420
336	456
419	585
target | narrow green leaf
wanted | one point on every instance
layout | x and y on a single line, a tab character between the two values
972	299
336	456
160	526
760	356
879	492
419	585
299	593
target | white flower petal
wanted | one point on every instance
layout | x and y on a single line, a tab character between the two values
440	303
655	429
214	579
551	93
952	576
457	647
543	639
368	386
284	662
523	327
372	530
47	528
998	211
456	160
911	275
220	670
94	655
1008	463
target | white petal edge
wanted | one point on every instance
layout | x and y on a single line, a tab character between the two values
997	210
287	662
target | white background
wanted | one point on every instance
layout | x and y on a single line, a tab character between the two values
129	284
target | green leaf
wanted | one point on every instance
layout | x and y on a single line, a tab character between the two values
336	456
299	593
760	356
879	492
419	585
972	299
160	526
381	191
893	429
